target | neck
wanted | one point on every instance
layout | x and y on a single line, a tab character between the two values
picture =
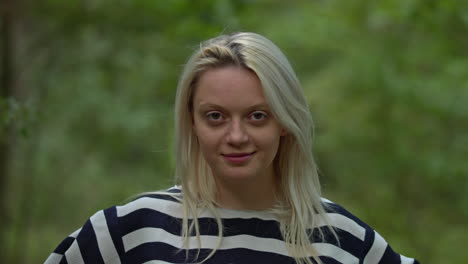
246	194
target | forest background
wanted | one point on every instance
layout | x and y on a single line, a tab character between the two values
87	91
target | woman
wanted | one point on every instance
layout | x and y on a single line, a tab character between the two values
249	190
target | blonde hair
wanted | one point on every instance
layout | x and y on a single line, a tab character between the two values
300	208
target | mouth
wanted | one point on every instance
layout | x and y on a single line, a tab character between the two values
238	158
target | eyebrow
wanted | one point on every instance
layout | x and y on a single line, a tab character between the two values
255	106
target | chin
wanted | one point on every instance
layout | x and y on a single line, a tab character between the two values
237	174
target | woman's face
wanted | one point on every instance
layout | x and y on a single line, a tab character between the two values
236	131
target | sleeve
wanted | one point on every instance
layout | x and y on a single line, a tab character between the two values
361	240
378	251
98	241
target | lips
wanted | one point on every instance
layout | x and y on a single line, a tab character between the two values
238	154
238	158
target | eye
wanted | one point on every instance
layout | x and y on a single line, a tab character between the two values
214	116
258	116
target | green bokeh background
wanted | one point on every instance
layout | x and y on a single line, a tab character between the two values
387	83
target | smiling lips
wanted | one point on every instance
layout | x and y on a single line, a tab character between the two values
238	158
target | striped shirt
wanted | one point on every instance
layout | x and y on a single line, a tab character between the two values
147	230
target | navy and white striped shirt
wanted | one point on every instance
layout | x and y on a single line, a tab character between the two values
147	230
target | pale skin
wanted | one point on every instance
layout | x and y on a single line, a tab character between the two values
238	136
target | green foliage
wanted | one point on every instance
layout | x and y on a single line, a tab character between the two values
15	115
387	82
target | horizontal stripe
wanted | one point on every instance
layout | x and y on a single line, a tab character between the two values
164	252
147	230
346	224
208	226
325	249
347	241
147	235
145	218
158	213
164	206
157	262
173	209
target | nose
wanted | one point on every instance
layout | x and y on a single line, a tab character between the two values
236	134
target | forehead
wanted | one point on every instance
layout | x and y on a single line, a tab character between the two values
230	85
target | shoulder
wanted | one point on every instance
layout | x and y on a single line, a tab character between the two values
167	201
343	220
103	237
358	238
150	210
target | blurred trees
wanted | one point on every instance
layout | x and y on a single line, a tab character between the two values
13	113
387	82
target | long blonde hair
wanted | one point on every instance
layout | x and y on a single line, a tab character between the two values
300	208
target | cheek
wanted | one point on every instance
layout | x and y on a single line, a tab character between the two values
270	137
271	143
275	145
206	145
207	141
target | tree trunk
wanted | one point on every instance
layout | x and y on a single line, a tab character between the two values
8	85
